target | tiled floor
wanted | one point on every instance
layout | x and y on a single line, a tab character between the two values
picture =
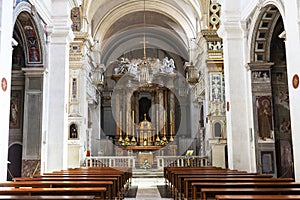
147	188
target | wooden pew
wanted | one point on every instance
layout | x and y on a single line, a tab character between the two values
124	174
110	193
121	182
187	190
56	197
184	181
176	176
99	192
197	186
115	185
240	197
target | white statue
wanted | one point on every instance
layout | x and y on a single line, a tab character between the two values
133	69
170	67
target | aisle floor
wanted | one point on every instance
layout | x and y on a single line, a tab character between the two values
147	188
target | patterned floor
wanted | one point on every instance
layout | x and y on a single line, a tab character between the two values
147	188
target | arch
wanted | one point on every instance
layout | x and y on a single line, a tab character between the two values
258	40
217	127
260	48
14	161
33	35
130	40
162	7
73	131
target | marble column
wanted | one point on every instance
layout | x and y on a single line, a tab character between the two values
172	116
58	86
240	153
136	110
128	113
166	130
157	115
118	116
161	112
6	29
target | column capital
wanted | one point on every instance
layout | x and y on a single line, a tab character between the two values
230	30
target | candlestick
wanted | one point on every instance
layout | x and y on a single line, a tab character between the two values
120	125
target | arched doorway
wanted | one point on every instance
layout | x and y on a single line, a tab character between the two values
14	161
270	95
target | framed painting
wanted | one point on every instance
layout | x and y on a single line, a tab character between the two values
15	109
267	162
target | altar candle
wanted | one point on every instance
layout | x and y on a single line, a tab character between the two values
133	116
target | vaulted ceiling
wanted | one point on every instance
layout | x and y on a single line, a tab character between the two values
119	25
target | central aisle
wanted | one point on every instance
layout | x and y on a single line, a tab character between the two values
147	188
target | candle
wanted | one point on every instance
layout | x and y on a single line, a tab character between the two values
133	115
120	120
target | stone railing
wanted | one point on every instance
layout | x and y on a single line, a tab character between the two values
129	161
110	161
181	161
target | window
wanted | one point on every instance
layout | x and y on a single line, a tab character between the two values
217	130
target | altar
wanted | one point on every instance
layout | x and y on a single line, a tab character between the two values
145	160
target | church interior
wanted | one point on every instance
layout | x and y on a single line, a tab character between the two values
143	87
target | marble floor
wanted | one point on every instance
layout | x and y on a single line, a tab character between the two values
147	188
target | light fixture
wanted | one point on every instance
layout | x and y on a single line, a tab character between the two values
143	69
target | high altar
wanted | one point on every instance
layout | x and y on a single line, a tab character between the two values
145	113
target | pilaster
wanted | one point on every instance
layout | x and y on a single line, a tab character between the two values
238	131
60	37
6	29
292	27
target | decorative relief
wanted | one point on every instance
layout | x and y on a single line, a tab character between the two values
199	90
91	91
214	18
216	89
33	46
215	45
260	76
76	19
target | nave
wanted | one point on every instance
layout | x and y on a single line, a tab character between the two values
147	189
187	182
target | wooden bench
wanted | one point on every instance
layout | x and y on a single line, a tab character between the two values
56	197
212	192
98	192
110	193
115	185
177	177
197	186
121	182
240	197
183	183
187	190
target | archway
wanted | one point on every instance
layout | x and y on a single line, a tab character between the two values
270	95
27	90
14	161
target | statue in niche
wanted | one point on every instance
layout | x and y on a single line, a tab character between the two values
13	113
73	131
264	118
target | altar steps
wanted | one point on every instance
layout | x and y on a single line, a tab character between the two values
147	173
